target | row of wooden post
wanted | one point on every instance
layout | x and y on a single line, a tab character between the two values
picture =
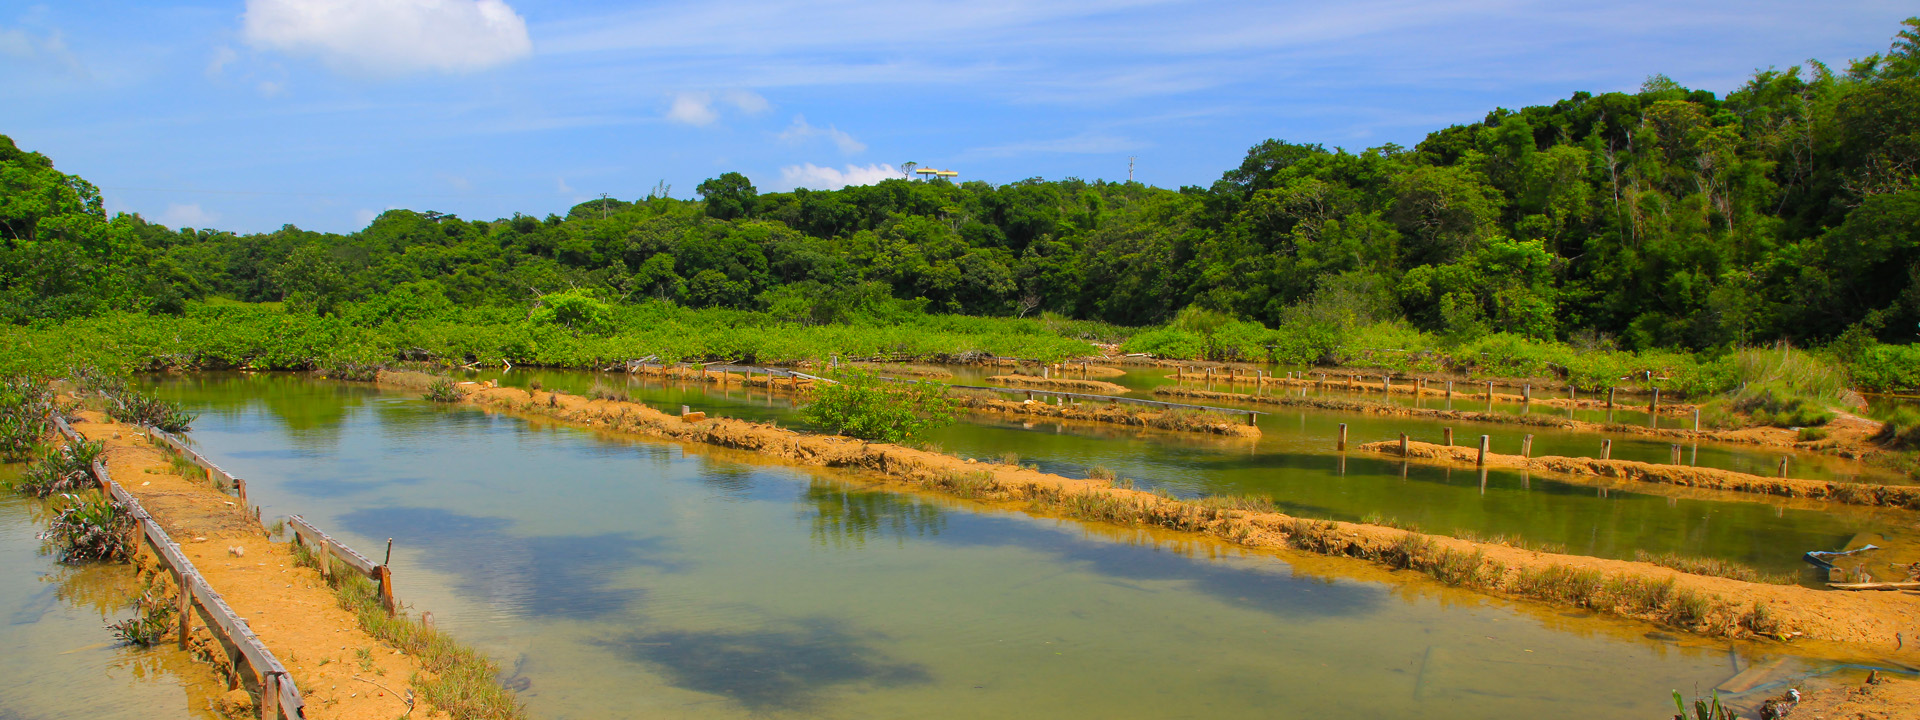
1526	447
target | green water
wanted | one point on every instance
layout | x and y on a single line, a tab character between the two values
1294	464
618	577
57	658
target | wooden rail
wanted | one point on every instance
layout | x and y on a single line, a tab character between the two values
279	697
214	472
326	549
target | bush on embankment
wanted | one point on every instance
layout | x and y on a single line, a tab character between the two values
863	406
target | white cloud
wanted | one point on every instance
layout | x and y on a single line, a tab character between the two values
391	36
561	186
187	216
814	177
697	108
801	130
692	108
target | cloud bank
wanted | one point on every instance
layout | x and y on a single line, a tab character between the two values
387	37
802	130
814	177
699	108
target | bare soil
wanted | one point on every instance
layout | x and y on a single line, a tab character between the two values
291	608
1098	387
1865	620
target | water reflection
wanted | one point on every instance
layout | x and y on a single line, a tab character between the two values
786	665
572	576
846	517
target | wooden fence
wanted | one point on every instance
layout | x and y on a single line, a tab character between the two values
279	698
326	549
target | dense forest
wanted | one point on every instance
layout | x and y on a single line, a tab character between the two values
1666	218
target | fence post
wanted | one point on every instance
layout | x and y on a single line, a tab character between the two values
1484	441
1250	417
1526	393
1403	444
1386	384
1343	437
1449	389
1696	419
1653	407
385	576
1610	398
1446	435
1676	453
270	696
185	607
1526	447
1606	449
1783	464
240	486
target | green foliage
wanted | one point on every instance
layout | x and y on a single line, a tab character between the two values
863	406
1900	427
573	309
138	408
26	408
441	391
63	469
152	620
1787	388
90	527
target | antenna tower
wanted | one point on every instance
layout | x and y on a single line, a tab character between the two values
1130	160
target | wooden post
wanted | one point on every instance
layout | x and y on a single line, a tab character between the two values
1250	417
1178	373
1386	384
1449	389
1606	449
384	575
184	607
1696	419
1653	407
1526	446
1610	398
1573	394
1489	392
1783	464
1343	437
1526	393
240	486
1485	440
325	556
1676	453
1403	444
270	696
1447	436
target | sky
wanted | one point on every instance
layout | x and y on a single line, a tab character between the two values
246	115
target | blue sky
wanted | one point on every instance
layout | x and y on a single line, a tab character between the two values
248	114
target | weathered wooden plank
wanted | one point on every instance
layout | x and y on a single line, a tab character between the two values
1876	586
292	706
334	547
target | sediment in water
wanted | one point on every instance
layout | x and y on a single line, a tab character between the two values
1696	603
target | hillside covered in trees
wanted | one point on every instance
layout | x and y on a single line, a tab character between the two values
1666	218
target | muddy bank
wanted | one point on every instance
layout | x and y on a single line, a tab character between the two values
1480	391
1179	421
1848	436
1703	604
1893	496
919	371
290	608
1097	387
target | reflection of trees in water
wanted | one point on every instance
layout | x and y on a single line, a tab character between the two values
311	410
844	516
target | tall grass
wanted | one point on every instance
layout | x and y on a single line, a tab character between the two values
462	681
1787	387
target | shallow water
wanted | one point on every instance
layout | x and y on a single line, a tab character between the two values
616	576
1294	464
57	658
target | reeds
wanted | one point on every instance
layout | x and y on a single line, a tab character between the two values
1712	566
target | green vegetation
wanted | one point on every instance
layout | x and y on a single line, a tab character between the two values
463	681
441	391
66	468
863	406
1602	237
138	408
26	417
1712	566
152	620
90	527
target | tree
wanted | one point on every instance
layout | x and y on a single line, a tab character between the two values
729	197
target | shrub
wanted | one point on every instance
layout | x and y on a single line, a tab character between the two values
89	527
138	408
863	406
441	391
63	469
1900	427
152	620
